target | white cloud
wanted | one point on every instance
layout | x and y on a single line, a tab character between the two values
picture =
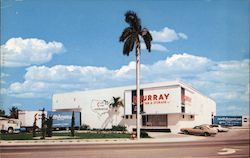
18	52
3	91
227	82
2	76
155	47
167	35
183	35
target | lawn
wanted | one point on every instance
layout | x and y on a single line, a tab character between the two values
28	136
20	136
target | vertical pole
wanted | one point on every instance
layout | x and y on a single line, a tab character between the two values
138	88
43	125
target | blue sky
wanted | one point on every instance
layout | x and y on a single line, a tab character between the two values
55	46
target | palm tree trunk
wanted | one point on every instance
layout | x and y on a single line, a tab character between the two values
138	87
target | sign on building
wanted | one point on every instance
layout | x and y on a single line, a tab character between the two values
228	120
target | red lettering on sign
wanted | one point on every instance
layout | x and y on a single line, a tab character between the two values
149	97
186	99
135	100
161	97
152	99
155	97
166	96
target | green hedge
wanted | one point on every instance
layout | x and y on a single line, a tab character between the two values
119	128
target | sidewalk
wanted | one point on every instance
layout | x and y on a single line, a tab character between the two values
157	137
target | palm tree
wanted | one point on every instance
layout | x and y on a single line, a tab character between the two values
131	36
14	112
116	103
2	112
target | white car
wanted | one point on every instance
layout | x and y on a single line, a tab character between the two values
219	128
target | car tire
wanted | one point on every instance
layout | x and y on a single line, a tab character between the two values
186	132
10	130
206	134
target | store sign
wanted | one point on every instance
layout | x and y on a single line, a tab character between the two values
156	99
152	99
186	99
63	119
228	120
148	99
100	106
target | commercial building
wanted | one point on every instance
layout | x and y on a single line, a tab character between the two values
164	105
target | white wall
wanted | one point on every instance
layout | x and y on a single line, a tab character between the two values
95	110
200	106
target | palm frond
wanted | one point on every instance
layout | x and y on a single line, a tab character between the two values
132	19
116	102
147	38
126	32
129	44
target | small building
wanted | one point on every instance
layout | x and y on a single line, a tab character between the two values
164	105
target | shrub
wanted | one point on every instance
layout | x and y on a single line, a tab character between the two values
119	128
85	127
144	135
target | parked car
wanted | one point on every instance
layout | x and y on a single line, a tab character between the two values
199	130
219	128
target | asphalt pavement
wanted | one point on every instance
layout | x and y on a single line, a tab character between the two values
232	144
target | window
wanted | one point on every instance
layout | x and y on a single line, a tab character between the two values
183	109
183	116
182	96
131	116
126	116
191	116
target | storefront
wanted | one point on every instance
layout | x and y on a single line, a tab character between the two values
170	105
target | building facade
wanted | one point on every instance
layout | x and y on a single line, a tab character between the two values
164	105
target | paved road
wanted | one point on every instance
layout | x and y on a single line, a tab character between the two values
226	148
232	144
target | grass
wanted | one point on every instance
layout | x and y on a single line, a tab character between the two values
101	135
28	136
20	136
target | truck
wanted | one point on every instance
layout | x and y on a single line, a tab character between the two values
27	119
61	120
9	125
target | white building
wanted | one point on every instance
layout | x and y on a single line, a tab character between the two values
166	105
